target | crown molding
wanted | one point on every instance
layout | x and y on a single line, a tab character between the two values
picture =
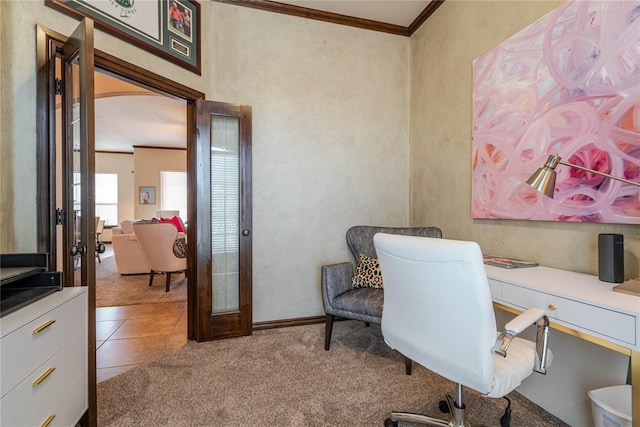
424	15
335	18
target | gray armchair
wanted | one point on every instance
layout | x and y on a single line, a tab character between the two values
338	295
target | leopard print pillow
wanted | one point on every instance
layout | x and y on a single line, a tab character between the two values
368	273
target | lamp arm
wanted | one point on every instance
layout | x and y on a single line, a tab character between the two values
562	162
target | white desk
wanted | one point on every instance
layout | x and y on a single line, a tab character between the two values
578	304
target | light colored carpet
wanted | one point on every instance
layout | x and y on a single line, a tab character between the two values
115	289
284	377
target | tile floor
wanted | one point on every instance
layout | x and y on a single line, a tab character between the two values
129	335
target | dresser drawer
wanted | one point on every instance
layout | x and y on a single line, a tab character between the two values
577	315
69	407
28	403
28	347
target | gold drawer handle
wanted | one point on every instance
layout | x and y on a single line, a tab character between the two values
552	307
43	376
44	326
48	421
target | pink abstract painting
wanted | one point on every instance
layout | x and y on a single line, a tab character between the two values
568	84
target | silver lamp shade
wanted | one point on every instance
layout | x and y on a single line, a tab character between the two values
544	179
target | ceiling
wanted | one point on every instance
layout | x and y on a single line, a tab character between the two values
395	12
128	115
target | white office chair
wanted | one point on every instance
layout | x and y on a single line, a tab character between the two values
438	312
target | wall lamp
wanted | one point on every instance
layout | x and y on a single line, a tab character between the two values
544	179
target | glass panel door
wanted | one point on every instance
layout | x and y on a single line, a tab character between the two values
225	227
220	235
78	192
79	242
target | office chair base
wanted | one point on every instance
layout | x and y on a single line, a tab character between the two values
413	418
458	418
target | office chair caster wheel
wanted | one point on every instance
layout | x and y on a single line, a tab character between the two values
390	423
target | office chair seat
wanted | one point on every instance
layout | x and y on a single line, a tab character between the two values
510	371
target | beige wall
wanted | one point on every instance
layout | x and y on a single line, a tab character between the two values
6	183
148	163
142	168
330	133
442	52
440	151
330	142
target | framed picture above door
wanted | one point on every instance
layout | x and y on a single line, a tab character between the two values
167	28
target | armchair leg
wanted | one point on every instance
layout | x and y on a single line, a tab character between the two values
407	365
327	331
168	273
151	278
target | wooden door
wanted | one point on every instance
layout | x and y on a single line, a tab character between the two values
220	236
78	148
79	267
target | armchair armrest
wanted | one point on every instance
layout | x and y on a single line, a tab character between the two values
519	324
336	280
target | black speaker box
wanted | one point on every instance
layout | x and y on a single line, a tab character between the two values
611	258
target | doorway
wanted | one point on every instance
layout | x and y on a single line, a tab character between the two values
140	142
218	141
219	167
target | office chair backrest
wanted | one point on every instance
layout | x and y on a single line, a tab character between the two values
360	237
437	306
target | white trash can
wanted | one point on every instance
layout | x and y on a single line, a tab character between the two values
611	406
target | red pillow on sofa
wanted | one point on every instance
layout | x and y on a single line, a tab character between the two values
175	221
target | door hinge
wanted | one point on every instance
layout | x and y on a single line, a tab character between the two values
58	86
61	216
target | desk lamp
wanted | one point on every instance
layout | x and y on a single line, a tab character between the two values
544	181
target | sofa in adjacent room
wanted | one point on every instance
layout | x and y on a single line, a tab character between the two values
129	256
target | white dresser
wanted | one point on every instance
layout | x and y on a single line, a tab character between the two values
43	361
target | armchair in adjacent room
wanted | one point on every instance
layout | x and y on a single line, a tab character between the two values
362	301
128	254
157	240
439	313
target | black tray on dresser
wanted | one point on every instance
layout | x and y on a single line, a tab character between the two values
25	278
